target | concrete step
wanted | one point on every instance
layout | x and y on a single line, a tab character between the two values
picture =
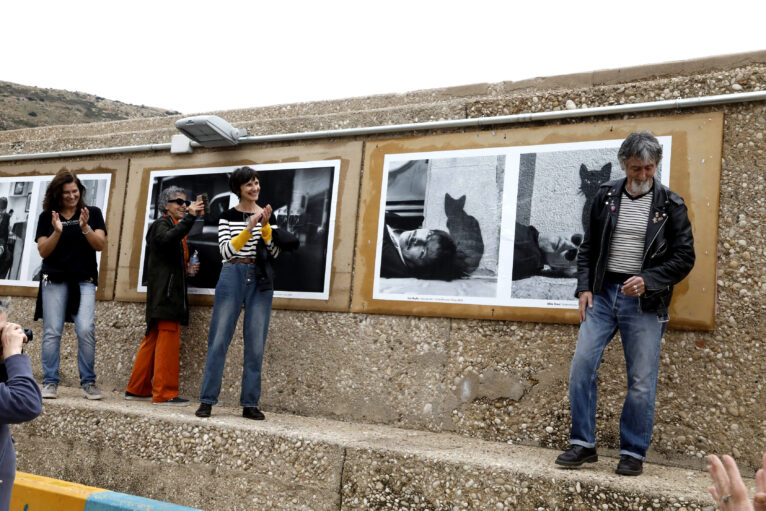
227	462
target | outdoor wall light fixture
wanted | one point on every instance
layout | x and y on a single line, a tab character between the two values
207	131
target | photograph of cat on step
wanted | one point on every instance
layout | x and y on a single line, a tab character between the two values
490	226
440	231
556	187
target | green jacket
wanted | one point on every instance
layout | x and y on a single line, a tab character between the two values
166	296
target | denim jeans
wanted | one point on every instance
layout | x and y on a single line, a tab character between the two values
237	285
54	311
641	334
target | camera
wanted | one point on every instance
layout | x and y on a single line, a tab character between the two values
27	332
205	201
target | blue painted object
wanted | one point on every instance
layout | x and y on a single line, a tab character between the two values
113	501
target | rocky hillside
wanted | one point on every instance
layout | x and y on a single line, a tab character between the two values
23	106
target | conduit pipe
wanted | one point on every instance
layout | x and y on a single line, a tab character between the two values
669	104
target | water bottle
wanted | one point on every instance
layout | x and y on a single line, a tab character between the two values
193	262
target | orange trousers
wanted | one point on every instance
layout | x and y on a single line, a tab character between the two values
155	371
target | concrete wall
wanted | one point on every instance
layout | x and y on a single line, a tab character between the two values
503	381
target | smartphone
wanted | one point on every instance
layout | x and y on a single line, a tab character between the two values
205	201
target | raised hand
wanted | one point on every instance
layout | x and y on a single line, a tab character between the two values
56	222
84	216
266	214
728	490
12	339
196	208
759	500
253	220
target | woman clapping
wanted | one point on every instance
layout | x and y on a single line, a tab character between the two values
68	237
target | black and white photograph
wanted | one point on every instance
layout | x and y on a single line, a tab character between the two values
496	226
303	197
439	228
21	201
553	194
15	194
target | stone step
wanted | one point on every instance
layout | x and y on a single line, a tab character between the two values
292	462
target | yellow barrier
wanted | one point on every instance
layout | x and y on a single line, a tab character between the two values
37	493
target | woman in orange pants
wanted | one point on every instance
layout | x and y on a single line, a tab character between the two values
155	371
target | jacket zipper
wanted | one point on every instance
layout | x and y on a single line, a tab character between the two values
643	261
601	251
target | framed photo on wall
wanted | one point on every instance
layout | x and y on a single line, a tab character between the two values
104	182
303	197
498	217
313	189
20	263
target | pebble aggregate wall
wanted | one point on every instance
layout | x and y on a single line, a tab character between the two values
300	463
500	381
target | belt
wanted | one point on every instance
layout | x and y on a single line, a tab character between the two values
242	260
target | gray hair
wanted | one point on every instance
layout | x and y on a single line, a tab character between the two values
168	194
5	303
641	145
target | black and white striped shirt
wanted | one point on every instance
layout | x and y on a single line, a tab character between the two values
626	250
230	225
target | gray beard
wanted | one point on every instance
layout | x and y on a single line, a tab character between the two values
640	188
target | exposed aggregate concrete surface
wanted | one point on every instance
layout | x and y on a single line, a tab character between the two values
293	462
492	380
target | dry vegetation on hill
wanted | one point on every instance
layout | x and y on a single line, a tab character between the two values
23	106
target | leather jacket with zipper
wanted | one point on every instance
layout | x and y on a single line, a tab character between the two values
668	247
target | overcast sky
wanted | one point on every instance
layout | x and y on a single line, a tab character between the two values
196	56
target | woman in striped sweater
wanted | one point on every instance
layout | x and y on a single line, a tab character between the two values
247	248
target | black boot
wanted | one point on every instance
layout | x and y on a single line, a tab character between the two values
204	410
252	412
629	466
576	455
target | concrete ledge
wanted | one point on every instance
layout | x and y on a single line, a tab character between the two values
291	462
33	492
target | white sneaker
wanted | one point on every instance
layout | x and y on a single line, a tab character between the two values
90	391
49	391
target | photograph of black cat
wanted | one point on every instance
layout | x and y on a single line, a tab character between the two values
590	181
466	232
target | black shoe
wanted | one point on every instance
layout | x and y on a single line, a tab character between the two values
629	466
135	397
176	401
204	410
252	412
576	455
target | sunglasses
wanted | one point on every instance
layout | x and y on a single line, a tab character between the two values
181	202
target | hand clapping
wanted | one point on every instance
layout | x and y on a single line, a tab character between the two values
84	216
262	217
56	222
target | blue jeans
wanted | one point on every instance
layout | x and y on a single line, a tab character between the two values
641	334
54	311
237	285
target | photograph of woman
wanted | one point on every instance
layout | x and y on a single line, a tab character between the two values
155	370
248	245
68	236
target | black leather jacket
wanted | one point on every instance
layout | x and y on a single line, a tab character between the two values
668	249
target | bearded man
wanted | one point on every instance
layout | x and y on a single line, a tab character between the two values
638	244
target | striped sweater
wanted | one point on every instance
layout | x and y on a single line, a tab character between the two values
234	240
626	251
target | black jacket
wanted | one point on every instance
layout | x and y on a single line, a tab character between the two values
264	274
166	296
668	248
